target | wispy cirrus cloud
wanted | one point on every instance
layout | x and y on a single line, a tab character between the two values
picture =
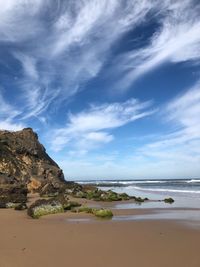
185	111
91	128
28	64
8	115
177	39
60	45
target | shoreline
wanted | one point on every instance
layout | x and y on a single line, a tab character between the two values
55	240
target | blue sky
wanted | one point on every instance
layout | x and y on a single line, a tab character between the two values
112	87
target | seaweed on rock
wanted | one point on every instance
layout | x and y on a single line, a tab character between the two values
169	200
100	195
101	213
44	207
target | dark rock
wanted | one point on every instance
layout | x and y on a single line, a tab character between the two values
64	200
21	206
79	194
169	200
139	199
54	188
44	207
3	205
23	158
100	195
24	162
12	194
51	206
71	205
7	179
125	196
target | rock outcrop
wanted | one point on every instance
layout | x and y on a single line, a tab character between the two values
12	195
24	160
26	167
43	207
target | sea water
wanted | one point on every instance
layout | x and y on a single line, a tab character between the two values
185	192
175	187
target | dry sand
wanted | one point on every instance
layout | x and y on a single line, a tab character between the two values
54	241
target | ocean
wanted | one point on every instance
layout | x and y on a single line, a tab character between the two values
186	192
176	187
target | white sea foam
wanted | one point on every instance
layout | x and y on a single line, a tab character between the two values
193	181
154	182
138	182
121	182
166	190
190	187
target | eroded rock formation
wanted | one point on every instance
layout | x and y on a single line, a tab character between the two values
23	159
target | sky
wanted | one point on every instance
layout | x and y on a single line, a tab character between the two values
112	87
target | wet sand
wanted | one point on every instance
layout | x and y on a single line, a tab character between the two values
57	240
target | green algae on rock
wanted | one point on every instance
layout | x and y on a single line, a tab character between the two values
100	195
71	205
140	199
44	207
169	200
102	213
85	209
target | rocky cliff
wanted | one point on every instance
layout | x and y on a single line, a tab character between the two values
26	167
23	159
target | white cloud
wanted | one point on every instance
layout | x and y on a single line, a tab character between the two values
99	137
28	64
179	150
8	115
6	110
90	128
37	100
174	155
176	40
19	20
185	111
60	45
88	15
10	126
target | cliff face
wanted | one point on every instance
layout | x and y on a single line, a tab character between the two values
23	158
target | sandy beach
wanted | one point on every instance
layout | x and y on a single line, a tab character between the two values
81	240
